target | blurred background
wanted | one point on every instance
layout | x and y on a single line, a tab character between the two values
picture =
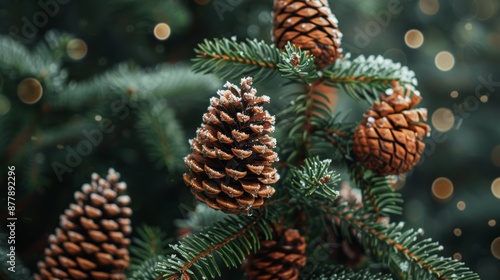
453	47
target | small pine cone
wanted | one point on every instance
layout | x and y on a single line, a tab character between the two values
280	258
310	25
232	153
92	239
389	139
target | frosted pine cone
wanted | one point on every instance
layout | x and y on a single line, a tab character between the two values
280	258
389	139
92	239
310	25
232	158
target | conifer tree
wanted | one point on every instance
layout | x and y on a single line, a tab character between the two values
270	201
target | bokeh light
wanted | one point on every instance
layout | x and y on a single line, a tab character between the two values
429	7
397	181
98	118
461	205
442	188
495	187
76	49
444	61
29	91
443	119
414	38
162	31
457	256
457	232
492	223
483	9
484	98
4	105
495	248
454	94
495	155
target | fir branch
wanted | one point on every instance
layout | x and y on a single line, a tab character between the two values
202	216
297	65
147	250
314	183
364	78
383	241
337	272
162	134
228	59
232	239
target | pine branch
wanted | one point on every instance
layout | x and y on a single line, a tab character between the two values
314	183
297	65
364	78
232	239
122	86
229	60
336	272
162	134
202	216
421	261
147	250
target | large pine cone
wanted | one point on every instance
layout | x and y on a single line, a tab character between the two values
232	153
280	258
92	240
310	25
389	139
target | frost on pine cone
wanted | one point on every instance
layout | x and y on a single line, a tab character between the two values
92	239
310	25
231	163
280	258
389	139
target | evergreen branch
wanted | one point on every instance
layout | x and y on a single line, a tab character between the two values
122	86
202	216
378	195
297	65
232	239
147	250
228	59
336	272
314	183
162	134
363	78
383	241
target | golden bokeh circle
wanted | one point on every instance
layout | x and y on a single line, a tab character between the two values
495	248
457	232
454	94
442	188
495	187
29	91
492	223
76	49
429	7
444	61
162	31
443	119
457	256
461	205
414	38
484	98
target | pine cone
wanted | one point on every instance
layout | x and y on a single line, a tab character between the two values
280	258
310	25
232	153
389	139
91	242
